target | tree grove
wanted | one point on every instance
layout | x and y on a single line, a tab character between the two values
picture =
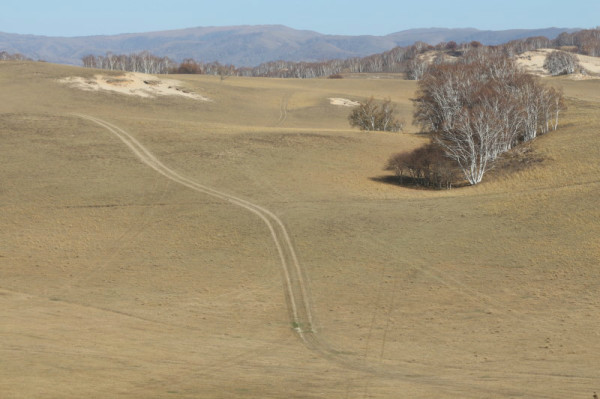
561	63
476	110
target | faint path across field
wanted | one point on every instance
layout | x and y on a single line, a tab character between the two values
283	109
295	286
299	307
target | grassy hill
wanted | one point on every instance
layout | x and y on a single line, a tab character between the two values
118	282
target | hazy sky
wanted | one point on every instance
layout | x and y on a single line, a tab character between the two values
348	17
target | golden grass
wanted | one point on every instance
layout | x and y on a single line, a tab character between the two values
116	282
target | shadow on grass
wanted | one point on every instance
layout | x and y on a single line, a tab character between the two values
408	182
415	184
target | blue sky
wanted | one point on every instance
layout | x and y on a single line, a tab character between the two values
348	17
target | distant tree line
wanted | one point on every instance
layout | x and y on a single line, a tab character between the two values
405	59
138	62
146	62
474	110
396	60
586	42
5	56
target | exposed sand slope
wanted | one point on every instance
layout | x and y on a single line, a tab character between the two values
533	61
344	102
137	84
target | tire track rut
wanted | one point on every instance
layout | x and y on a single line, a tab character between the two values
283	109
300	311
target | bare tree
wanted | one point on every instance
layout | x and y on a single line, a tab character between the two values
416	68
473	142
89	61
371	116
386	118
364	116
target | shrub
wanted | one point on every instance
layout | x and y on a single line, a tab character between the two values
371	116
561	63
425	166
189	66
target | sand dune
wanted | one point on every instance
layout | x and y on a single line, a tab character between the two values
132	83
533	61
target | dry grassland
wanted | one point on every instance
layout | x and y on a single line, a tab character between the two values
116	282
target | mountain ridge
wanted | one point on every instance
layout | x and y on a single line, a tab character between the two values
249	45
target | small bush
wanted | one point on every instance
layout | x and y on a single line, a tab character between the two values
189	66
371	116
561	63
335	76
425	166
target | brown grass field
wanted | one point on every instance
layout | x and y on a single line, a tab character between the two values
119	282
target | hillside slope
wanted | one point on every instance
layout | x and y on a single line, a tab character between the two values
118	281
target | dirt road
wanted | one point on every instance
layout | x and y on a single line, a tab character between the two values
299	306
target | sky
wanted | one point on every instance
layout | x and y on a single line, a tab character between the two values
344	17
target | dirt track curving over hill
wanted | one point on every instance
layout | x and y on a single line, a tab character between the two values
295	286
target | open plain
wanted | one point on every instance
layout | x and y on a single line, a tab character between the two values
252	246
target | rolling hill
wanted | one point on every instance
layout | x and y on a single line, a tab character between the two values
139	252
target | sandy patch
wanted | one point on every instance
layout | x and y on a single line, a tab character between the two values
135	84
533	62
344	102
430	56
590	64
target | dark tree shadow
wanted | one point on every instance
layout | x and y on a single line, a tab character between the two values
410	182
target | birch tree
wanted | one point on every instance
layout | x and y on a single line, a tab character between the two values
370	116
473	142
561	63
479	109
415	69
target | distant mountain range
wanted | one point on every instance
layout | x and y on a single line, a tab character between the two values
248	45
